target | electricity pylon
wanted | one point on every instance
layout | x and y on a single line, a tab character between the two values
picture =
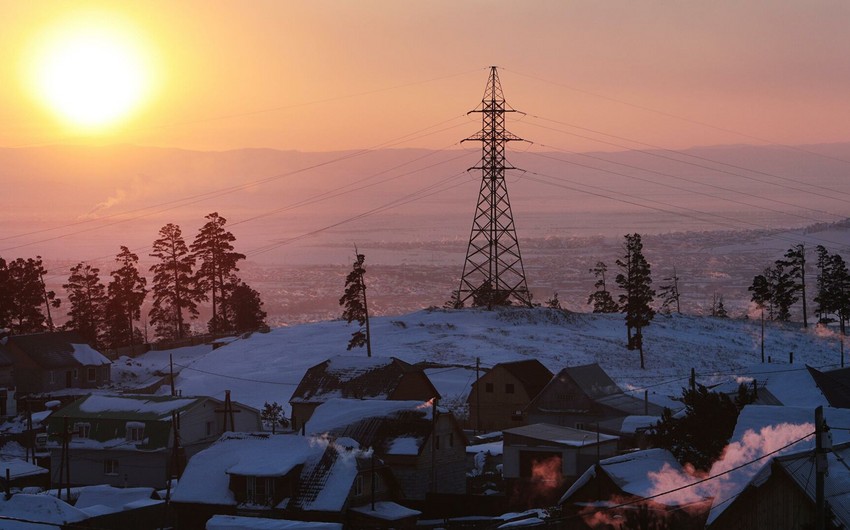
493	273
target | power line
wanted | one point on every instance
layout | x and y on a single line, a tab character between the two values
716	170
677	117
672	151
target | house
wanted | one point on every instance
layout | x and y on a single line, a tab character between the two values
358	378
52	361
761	429
581	396
498	398
129	440
617	488
782	495
421	443
285	476
540	461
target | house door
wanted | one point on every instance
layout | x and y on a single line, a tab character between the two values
68	383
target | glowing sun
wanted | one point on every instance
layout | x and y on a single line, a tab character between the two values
91	73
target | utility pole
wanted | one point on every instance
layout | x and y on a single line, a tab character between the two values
762	334
477	395
171	374
492	272
820	470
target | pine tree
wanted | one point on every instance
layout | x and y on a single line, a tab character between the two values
354	304
272	415
174	295
213	250
718	309
246	308
823	298
553	303
601	297
670	294
635	280
87	296
762	293
22	295
126	294
783	290
795	264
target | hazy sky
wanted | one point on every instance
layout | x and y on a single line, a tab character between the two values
324	75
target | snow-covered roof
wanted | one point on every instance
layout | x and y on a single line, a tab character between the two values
235	522
104	499
356	378
320	487
153	407
335	414
41	508
19	468
387	511
800	467
559	435
88	356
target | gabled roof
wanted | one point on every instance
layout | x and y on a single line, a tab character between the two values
558	435
630	405
326	469
592	380
834	384
109	417
57	349
631	473
390	427
127	407
800	467
531	373
353	377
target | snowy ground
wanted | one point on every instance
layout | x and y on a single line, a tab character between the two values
267	367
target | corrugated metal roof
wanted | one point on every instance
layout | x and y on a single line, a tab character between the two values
801	468
558	434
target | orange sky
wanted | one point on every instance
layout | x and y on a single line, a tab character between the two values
292	75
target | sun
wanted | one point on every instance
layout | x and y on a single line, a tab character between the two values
91	72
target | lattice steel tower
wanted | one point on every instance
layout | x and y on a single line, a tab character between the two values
493	273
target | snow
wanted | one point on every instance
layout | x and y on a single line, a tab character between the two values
103	499
339	480
19	468
206	479
268	366
386	511
631	424
454	382
404	445
493	448
233	522
97	404
88	356
40	508
351	366
337	413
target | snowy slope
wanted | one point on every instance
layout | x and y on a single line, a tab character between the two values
267	367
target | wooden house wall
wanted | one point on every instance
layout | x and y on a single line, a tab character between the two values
135	468
413	386
415	474
778	504
498	409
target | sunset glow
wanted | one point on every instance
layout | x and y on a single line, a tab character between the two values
91	74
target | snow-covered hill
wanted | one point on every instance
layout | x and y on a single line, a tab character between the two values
267	366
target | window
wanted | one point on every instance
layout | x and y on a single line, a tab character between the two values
51	377
488	387
210	425
82	429
436	441
135	431
358	485
509	388
76	373
91	374
259	490
451	439
110	467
